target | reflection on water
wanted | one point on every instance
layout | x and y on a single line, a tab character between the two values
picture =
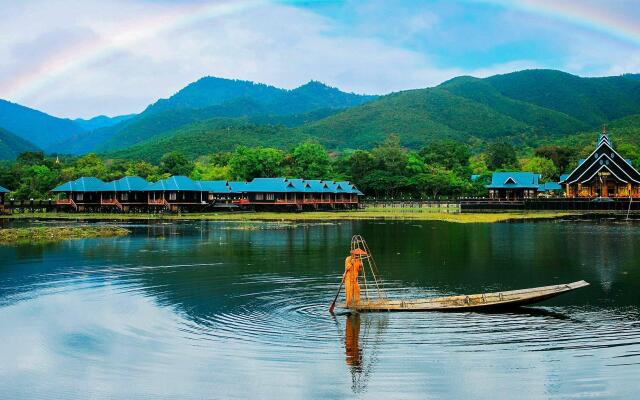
361	348
198	310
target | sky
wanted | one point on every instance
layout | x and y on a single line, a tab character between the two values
85	58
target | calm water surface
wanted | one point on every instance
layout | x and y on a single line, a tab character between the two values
212	310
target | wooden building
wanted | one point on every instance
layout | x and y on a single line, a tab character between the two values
125	193
180	193
83	194
514	185
3	192
176	193
604	173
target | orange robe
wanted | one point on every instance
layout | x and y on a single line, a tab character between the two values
351	340
352	266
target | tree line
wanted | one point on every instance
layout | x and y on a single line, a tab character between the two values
440	169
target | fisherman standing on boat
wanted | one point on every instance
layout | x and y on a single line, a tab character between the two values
352	267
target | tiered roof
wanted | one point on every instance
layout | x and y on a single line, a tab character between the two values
603	158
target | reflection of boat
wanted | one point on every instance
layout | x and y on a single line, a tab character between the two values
469	302
483	301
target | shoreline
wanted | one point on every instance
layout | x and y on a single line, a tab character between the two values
413	215
42	234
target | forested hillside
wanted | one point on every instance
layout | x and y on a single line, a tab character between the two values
41	129
11	145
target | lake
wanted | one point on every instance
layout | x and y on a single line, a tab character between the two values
197	310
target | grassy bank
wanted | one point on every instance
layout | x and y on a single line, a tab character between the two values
54	234
387	213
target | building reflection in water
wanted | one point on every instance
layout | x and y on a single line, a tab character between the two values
362	338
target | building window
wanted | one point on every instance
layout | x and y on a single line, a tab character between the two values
79	197
271	196
259	196
125	196
173	196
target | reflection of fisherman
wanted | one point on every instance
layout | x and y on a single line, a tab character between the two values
352	267
351	342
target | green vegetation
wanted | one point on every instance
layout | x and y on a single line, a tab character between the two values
12	145
367	214
53	234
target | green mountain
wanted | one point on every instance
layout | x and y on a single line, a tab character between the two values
35	126
101	121
529	106
210	98
210	91
211	136
11	145
590	100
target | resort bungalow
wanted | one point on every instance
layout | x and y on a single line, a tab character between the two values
549	189
80	195
271	191
182	193
605	173
514	185
175	193
124	193
3	192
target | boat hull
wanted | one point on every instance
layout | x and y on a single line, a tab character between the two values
472	302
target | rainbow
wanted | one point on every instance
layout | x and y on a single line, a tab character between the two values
598	19
89	51
124	35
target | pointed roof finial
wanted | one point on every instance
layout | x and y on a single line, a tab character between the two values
604	129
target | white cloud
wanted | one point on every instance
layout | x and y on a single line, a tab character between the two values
276	44
108	71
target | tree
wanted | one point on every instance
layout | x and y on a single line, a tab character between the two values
310	161
175	163
90	165
501	154
448	154
247	163
390	156
542	166
142	169
561	156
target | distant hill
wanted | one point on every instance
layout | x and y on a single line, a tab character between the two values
210	91
590	100
39	128
530	107
211	136
11	145
101	121
210	98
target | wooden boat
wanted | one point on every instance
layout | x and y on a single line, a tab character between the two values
472	302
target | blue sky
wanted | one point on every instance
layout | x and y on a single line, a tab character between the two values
84	58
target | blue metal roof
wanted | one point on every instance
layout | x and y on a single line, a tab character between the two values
350	188
563	177
83	184
176	183
237	186
514	180
274	185
126	184
318	186
547	186
215	186
3	190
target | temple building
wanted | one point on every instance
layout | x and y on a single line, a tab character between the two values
605	173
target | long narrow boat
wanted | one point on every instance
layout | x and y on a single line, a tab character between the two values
484	301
